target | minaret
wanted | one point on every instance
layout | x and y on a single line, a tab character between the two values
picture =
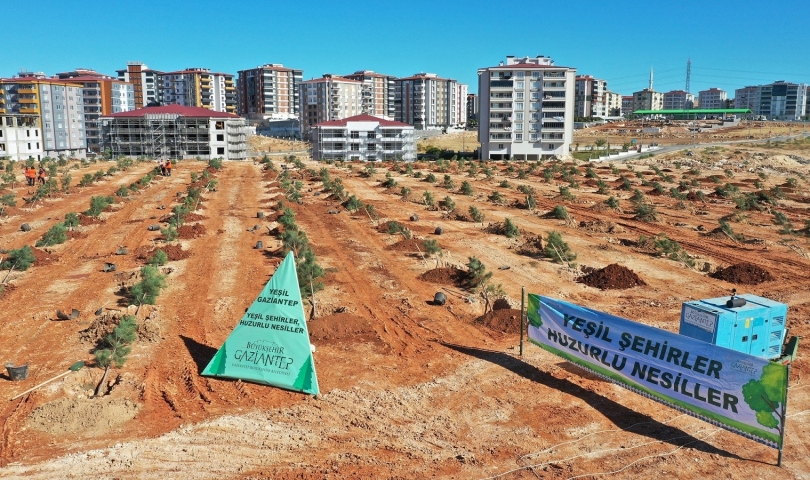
688	73
651	78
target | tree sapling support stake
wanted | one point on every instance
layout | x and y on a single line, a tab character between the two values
522	314
73	368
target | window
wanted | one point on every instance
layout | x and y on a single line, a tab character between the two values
518	137
219	125
534	126
29	145
371	135
220	137
371	147
535	106
355	135
518	127
519	96
520	85
519	116
535	75
519	75
533	137
519	106
28	133
220	150
355	147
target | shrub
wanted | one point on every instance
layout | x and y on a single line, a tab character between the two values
122	192
612	202
476	214
526	189
448	204
405	192
71	220
19	259
495	197
116	347
448	183
147	290
504	184
54	236
430	178
466	188
159	259
86	180
478	274
646	212
602	187
353	204
531	202
511	230
97	205
169	233
557	250
565	193
8	200
559	212
428	200
395	227
216	163
672	250
726	228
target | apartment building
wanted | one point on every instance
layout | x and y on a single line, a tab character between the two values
678	100
175	131
20	137
589	97
627	105
779	100
378	93
613	101
427	101
328	98
199	87
472	107
712	98
363	137
147	84
58	104
269	92
526	109
648	100
103	95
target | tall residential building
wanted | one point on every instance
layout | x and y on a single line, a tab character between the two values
526	109
589	97
328	98
199	87
712	98
780	100
678	100
427	101
363	137
379	93
103	95
627	105
472	107
269	92
648	100
20	137
147	84
807	104
175	131
59	105
613	101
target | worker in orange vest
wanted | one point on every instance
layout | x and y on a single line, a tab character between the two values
41	176
30	175
168	168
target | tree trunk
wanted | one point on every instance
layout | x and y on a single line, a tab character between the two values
9	273
101	383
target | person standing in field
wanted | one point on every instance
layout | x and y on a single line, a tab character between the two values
42	176
168	168
30	175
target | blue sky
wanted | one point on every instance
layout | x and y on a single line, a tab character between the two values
731	43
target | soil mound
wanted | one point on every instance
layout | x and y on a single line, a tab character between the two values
505	321
191	231
86	416
84	220
447	276
501	304
174	252
43	257
743	273
408	245
194	217
614	276
341	328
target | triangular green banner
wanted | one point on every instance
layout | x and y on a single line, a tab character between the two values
270	345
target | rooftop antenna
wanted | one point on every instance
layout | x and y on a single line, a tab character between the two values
651	78
688	74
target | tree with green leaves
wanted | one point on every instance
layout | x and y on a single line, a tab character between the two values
54	236
466	188
511	230
159	259
115	347
97	205
147	290
19	259
477	273
558	250
427	199
448	204
475	214
353	204
405	192
765	396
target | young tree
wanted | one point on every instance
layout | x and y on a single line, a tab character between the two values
448	204
476	214
478	274
20	259
147	290
427	199
558	250
432	248
511	229
54	236
116	348
159	259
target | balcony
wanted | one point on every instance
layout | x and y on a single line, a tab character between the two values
27	89
500	107
34	109
501	85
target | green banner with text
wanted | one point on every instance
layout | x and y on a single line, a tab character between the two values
270	345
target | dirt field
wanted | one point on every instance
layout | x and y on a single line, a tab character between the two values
409	390
259	143
458	142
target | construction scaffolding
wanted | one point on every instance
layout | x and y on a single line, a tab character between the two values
175	137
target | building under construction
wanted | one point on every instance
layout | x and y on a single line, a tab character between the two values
175	131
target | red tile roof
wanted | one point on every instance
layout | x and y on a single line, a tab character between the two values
91	78
333	78
364	117
425	77
527	65
174	109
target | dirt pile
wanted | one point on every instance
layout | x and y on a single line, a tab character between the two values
84	220
341	328
743	273
174	252
408	245
504	321
43	257
446	276
191	231
612	277
82	415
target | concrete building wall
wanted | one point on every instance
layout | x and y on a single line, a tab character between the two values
678	100
366	140
712	98
648	100
526	109
328	98
269	92
20	137
427	101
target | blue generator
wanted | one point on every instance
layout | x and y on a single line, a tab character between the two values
745	323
